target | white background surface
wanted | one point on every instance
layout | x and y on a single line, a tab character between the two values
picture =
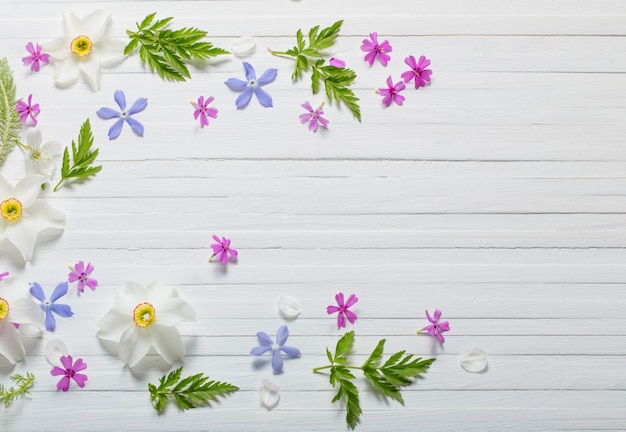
496	194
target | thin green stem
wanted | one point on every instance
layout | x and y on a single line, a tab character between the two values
58	185
317	369
279	53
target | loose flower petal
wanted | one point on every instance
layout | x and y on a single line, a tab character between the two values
55	349
473	360
269	394
289	307
243	46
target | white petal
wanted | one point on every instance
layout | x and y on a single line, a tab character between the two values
94	25
66	71
51	149
269	394
59	48
167	342
6	189
134	345
128	297
110	51
289	307
27	189
90	67
22	235
25	311
11	346
159	294
243	46
54	350
473	360
113	325
33	138
47	220
72	24
175	311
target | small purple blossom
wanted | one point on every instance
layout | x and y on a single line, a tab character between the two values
392	92
342	309
268	345
70	371
123	115
81	274
436	328
26	110
3	275
222	249
252	85
418	71
49	306
203	111
35	58
314	117
374	50
338	63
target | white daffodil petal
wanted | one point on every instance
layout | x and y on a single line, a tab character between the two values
23	236
159	294
58	48
90	67
243	46
134	345
25	311
110	51
27	190
175	311
72	23
269	394
130	296
289	307
54	350
473	360
33	137
167	342
11	345
45	218
94	25
66	72
6	189
113	325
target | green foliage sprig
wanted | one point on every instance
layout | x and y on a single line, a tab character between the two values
191	392
23	383
10	124
82	157
336	80
166	51
400	370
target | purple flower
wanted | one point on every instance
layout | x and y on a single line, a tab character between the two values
71	371
3	275
436	328
342	308
418	71
80	273
27	109
222	249
49	306
268	345
252	85
373	50
109	113
392	92
35	57
202	110
314	117
338	63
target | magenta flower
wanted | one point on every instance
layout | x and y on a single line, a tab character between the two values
81	274
3	275
314	117
27	109
70	371
338	63
342	308
418	71
202	110
35	58
222	249
392	92
436	328
373	50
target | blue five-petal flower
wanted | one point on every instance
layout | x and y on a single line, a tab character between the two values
109	113
49	306
252	85
268	345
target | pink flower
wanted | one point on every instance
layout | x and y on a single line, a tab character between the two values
418	71
342	308
338	63
35	57
70	371
436	328
202	110
3	275
27	109
222	249
392	92
373	50
80	273
314	117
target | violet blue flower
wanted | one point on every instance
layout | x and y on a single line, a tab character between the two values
392	92
35	58
70	371
436	328
252	85
314	117
338	63
342	309
3	275
222	249
418	71
81	274
203	111
123	115
28	109
268	345
49	306
374	50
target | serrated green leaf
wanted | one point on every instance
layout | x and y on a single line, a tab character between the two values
374	358
82	157
344	344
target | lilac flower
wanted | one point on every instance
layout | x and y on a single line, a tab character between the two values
342	308
109	113
418	71
392	92
49	306
338	63
80	273
314	117
202	110
35	58
268	345
252	85
222	249
70	371
3	275
373	50
27	109
436	328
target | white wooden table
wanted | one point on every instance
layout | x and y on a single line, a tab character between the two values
496	194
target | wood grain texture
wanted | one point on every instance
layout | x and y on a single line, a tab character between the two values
497	194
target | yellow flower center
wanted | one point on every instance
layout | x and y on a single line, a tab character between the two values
81	45
4	308
11	209
143	315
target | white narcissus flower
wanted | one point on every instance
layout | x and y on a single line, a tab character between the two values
41	159
145	318
24	216
83	49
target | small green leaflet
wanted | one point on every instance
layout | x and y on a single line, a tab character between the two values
166	51
10	125
82	158
400	370
23	383
191	392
